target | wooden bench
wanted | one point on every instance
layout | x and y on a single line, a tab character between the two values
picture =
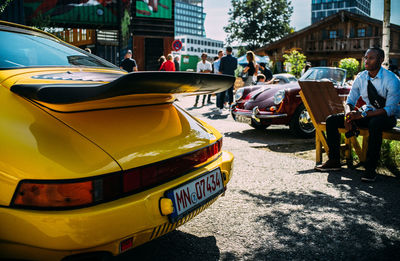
321	100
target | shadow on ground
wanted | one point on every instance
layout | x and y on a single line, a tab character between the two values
357	222
175	246
277	140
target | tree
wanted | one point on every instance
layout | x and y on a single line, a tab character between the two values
258	22
295	61
4	5
351	65
386	32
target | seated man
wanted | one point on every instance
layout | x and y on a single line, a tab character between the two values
380	89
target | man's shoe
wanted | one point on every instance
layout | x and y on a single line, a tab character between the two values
218	111
369	176
195	105
330	165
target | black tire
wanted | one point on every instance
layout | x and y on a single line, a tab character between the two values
258	125
301	124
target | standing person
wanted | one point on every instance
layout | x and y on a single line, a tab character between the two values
251	69
168	65
217	62
203	66
380	89
129	64
228	65
176	62
161	60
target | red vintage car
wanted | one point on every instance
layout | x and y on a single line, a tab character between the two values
263	105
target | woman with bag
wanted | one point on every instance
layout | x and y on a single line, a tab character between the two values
251	69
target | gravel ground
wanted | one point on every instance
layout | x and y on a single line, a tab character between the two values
278	208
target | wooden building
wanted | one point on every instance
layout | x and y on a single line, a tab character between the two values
342	35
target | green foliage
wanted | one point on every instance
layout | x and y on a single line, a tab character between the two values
351	65
390	156
296	61
258	22
241	51
42	22
4	5
125	23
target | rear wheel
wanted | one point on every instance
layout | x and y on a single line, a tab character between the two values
301	124
259	125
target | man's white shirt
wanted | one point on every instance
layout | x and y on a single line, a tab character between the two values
204	66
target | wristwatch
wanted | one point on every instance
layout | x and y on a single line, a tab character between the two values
364	114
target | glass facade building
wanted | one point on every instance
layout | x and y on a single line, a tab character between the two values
324	8
189	18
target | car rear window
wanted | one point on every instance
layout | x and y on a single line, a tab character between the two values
24	50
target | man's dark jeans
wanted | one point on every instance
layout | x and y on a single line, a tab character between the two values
376	125
221	97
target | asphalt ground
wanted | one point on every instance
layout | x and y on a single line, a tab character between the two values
278	208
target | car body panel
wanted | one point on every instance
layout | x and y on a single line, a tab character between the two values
164	132
35	144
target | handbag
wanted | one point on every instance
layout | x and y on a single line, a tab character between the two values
374	98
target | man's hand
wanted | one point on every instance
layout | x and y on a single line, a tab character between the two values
353	115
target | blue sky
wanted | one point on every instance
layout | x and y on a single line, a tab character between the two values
217	15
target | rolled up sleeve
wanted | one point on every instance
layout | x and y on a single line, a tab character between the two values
393	97
354	92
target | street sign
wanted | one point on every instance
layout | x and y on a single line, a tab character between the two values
176	45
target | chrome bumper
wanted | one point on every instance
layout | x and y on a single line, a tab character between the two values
257	114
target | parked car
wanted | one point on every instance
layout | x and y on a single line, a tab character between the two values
96	161
263	105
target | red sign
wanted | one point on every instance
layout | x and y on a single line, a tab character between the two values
176	45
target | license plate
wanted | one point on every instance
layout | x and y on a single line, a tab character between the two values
243	119
195	193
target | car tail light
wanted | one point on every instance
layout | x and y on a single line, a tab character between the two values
54	195
79	193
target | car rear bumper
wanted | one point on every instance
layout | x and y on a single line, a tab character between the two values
53	235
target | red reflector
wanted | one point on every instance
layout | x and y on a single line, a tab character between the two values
126	245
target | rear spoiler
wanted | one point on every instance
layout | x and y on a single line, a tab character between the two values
128	84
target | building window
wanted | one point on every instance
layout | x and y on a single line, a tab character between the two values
361	32
332	34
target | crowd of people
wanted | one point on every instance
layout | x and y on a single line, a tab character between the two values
224	63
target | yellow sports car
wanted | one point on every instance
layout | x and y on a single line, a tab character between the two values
95	161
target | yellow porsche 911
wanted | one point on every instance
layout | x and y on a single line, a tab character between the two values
95	161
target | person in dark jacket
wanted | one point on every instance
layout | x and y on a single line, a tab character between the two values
176	62
228	65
